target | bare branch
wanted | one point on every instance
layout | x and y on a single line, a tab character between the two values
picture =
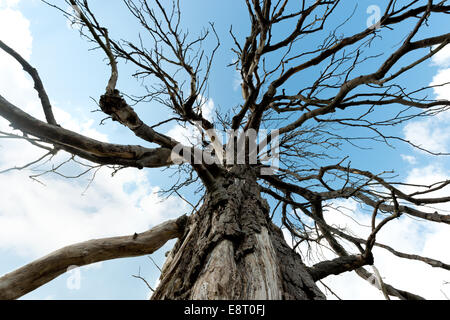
37	82
90	149
35	274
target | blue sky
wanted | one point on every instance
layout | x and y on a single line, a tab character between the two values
36	219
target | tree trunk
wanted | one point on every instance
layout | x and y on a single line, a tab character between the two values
231	250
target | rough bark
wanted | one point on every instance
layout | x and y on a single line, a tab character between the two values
232	250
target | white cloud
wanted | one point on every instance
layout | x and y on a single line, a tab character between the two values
8	3
433	133
408	234
14	31
17	87
442	58
34	219
82	126
408	158
15	84
442	77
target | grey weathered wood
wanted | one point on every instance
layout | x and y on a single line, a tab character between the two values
232	250
35	274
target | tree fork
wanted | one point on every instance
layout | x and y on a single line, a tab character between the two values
232	250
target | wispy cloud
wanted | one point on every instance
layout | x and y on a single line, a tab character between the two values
408	158
442	58
36	219
433	133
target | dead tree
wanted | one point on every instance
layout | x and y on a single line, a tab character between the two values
230	248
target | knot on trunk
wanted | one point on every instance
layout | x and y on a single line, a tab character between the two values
110	102
114	105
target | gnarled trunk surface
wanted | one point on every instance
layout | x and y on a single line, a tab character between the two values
232	250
